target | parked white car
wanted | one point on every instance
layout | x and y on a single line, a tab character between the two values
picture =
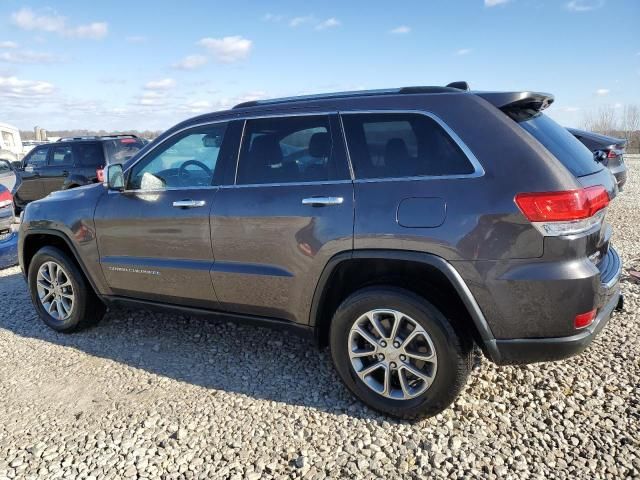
11	147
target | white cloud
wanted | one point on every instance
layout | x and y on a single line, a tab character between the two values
328	23
463	51
9	44
94	31
50	21
151	98
402	29
584	5
164	84
14	87
601	92
297	21
570	109
27	56
494	3
191	62
227	49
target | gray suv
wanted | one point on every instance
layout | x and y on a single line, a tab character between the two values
401	227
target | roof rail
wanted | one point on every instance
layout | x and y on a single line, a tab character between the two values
96	137
356	93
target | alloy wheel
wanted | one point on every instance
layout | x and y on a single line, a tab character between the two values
55	290
392	354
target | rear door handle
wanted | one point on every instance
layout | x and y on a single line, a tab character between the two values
322	201
189	203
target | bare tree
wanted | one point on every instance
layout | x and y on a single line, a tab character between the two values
630	121
602	120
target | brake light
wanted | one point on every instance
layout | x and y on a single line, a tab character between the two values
564	213
612	154
584	319
100	174
128	140
6	198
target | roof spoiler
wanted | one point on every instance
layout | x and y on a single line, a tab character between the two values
519	105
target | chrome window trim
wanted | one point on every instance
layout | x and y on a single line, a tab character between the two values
477	166
293	184
478	169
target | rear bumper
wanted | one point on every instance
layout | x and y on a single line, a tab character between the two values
532	350
9	251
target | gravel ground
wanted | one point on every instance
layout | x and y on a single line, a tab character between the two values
152	395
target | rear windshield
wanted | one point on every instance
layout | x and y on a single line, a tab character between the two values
122	149
562	144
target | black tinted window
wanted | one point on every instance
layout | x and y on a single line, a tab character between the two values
89	154
122	149
384	145
62	156
562	144
285	150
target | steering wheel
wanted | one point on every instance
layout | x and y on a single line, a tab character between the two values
183	168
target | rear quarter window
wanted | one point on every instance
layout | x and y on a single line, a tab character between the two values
396	145
122	149
578	159
89	155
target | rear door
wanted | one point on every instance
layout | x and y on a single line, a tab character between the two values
288	210
59	164
154	238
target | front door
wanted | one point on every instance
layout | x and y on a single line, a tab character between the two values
30	187
56	171
288	212
154	237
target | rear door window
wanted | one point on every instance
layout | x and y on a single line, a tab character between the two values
288	150
61	156
396	145
578	159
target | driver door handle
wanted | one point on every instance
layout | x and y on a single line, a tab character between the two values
189	203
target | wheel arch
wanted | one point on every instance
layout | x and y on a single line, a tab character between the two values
34	240
349	271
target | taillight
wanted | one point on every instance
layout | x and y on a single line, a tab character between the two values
612	154
584	319
564	213
100	174
6	198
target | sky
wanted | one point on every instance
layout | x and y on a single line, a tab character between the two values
147	65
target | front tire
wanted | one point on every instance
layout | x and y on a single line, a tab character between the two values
398	353
60	293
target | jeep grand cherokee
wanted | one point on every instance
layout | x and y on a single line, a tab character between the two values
402	227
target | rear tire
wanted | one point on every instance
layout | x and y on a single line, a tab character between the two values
385	380
60	293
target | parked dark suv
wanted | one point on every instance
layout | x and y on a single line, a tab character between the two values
402	227
70	162
607	150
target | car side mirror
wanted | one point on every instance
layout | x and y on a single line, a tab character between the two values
16	165
115	177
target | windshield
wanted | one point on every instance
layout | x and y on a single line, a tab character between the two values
122	149
562	144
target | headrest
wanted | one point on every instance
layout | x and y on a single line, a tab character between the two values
319	145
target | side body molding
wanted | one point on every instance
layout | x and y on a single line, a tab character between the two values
486	336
